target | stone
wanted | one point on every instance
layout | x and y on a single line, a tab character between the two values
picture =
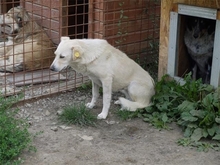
85	137
59	112
54	128
65	127
47	113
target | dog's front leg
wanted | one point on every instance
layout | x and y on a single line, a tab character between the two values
107	95
95	95
194	72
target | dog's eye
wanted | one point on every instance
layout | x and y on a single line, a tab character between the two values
61	56
19	19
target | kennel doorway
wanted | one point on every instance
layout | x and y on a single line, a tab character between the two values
177	59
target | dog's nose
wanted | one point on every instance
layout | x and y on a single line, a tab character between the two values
52	68
195	35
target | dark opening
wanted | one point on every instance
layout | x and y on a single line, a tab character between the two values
8	4
78	18
195	47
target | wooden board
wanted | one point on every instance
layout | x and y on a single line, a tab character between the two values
34	77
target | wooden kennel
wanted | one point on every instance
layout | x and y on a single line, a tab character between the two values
172	53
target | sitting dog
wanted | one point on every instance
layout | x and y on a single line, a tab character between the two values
31	49
108	68
199	40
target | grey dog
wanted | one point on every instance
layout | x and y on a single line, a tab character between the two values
199	40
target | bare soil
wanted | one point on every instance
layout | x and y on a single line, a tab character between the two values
112	142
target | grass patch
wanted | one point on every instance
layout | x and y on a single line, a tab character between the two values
126	115
14	135
78	114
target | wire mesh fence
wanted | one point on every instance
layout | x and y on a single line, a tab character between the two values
31	30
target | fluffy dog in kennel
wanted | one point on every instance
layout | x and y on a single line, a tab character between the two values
199	40
31	48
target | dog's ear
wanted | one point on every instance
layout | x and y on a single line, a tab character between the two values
191	22
64	38
20	15
77	52
211	27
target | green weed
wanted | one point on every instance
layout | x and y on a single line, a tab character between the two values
194	106
126	115
78	114
85	86
14	135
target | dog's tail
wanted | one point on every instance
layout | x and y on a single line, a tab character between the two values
132	105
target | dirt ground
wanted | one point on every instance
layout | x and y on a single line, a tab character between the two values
112	142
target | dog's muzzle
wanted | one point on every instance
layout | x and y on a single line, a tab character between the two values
11	26
52	67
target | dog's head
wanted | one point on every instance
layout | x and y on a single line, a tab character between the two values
67	52
15	18
199	26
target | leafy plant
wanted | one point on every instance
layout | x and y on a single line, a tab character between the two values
194	106
122	31
78	114
14	135
126	115
201	146
85	86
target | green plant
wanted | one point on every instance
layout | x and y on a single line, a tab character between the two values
126	115
122	30
14	135
193	105
78	114
85	86
201	146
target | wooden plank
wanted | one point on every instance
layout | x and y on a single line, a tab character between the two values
202	3
34	77
166	6
218	15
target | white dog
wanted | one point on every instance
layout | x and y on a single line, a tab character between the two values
108	68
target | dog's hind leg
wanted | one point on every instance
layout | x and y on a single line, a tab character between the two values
95	95
140	94
125	92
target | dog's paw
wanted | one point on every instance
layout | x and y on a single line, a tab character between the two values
117	102
102	116
90	105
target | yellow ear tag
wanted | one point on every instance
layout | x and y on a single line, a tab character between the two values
76	54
